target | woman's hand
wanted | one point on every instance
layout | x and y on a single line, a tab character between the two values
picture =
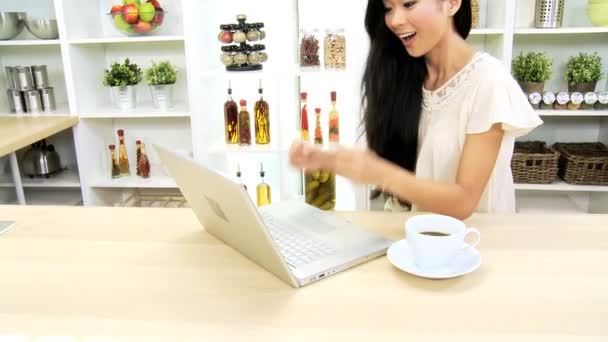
358	165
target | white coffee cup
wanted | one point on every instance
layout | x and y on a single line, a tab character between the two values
433	251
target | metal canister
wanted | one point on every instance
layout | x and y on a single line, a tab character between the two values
40	75
549	13
32	101
23	78
48	99
10	80
15	101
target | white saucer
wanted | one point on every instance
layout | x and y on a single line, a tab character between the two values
400	255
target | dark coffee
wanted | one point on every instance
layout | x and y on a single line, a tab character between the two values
429	233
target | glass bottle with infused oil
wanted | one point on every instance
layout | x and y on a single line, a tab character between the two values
304	136
123	160
262	119
231	117
263	191
334	121
238	175
320	185
244	125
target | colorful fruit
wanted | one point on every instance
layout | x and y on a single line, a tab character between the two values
156	4
121	24
158	18
146	12
130	13
132	2
142	27
116	9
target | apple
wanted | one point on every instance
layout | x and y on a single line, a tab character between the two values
146	12
130	13
131	2
225	37
116	9
121	24
142	27
158	18
156	4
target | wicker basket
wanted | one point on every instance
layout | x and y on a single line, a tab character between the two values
583	163
533	162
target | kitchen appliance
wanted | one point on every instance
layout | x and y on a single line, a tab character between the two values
41	160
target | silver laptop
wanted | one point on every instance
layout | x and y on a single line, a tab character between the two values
296	242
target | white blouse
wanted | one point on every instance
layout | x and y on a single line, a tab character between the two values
480	95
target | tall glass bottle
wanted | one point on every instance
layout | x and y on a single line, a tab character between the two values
262	119
304	118
231	117
123	160
334	121
244	125
138	156
115	169
263	191
143	164
320	185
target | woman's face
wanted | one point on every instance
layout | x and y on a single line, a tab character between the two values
419	24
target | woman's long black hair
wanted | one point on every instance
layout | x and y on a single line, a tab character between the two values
392	87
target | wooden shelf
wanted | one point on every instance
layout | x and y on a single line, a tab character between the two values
122	40
562	186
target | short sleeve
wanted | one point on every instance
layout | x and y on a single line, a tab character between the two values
501	100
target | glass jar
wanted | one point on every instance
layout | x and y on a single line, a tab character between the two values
535	99
602	101
321	189
548	100
334	48
590	101
562	100
309	49
576	99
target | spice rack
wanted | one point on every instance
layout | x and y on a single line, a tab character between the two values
242	56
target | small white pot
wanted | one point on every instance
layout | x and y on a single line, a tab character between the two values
162	96
124	97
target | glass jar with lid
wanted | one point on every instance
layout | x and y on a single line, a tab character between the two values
310	49
334	49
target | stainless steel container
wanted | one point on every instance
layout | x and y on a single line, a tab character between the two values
15	101
10	80
32	101
549	13
48	99
40	76
23	78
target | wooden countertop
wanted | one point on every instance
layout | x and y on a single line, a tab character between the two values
123	274
17	132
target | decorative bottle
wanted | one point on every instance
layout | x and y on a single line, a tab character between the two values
263	191
262	120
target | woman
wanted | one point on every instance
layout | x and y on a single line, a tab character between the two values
440	118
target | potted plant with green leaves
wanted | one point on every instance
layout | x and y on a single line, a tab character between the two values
583	72
122	78
161	78
532	70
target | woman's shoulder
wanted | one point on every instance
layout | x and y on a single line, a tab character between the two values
490	71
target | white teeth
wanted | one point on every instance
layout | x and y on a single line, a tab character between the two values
406	35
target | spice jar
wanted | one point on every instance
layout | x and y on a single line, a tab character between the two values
335	49
239	37
548	100
240	58
535	99
255	58
253	35
590	100
561	101
226	59
309	49
576	99
602	100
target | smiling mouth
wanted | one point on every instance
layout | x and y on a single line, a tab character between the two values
406	37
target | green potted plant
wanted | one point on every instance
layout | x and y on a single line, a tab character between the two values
161	78
532	70
122	78
583	72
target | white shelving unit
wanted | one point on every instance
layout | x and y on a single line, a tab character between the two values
188	38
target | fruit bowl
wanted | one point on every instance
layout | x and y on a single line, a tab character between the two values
135	18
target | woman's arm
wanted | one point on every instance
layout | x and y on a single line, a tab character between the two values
458	200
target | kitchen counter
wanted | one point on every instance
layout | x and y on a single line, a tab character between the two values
123	274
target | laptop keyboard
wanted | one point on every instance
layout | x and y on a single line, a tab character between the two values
297	249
